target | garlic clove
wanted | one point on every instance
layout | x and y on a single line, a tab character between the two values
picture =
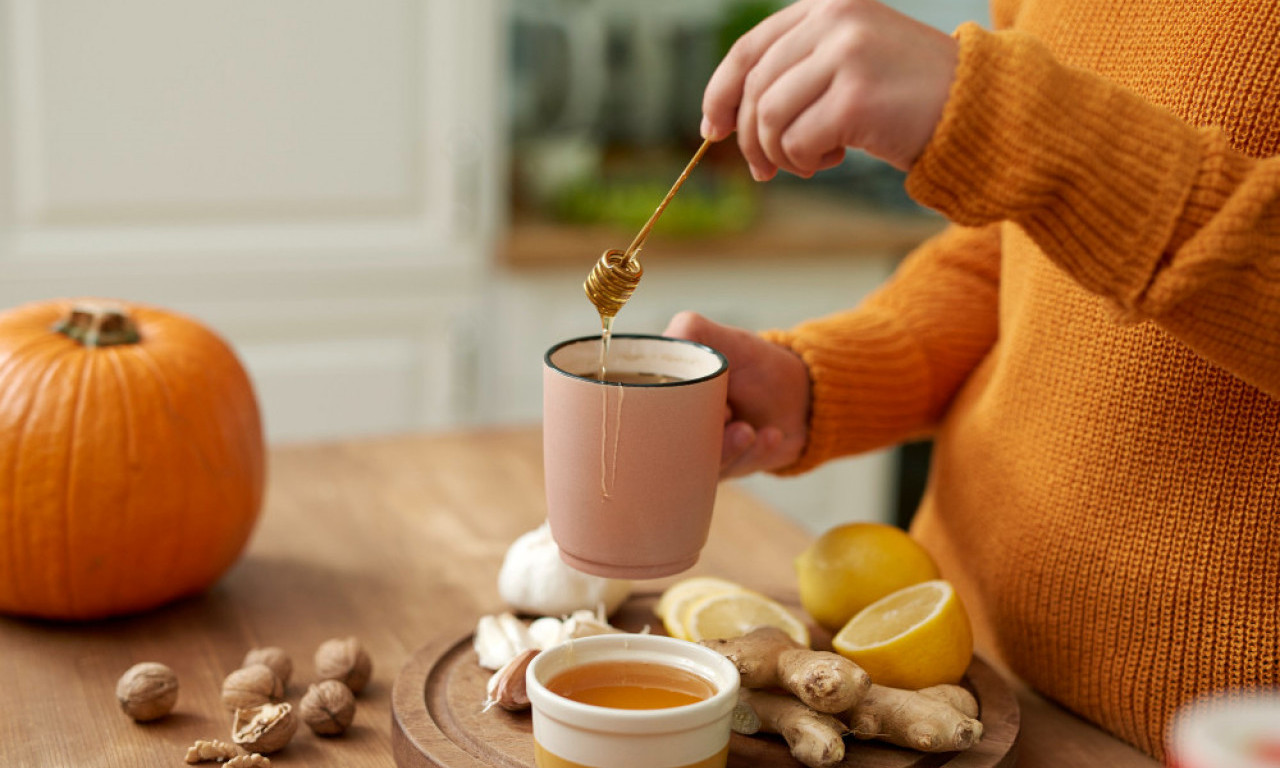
491	644
546	632
506	687
583	624
517	633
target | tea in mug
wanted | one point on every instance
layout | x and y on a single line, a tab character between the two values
633	377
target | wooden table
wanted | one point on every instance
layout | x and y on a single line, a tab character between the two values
395	541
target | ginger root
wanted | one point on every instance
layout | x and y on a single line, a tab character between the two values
815	738
941	718
769	658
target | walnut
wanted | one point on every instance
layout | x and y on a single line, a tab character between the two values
251	686
254	760
147	691
328	707
273	657
264	729
344	660
211	750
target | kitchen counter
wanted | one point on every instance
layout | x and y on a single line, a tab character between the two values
396	541
790	224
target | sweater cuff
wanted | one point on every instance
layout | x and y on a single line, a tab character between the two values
1094	174
858	401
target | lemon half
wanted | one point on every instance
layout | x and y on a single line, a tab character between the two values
914	638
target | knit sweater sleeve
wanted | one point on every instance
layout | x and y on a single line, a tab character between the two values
885	371
1166	221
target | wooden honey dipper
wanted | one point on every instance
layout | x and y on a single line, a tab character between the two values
615	276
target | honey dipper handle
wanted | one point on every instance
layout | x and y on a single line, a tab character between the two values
636	244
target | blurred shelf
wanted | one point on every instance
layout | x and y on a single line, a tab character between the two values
789	224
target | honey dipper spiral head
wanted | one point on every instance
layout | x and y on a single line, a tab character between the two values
612	281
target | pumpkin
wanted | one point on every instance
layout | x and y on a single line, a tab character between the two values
131	458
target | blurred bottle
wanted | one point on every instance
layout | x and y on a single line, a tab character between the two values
1238	730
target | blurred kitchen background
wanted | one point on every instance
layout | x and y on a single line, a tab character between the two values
388	206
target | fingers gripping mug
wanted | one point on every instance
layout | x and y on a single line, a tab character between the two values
632	462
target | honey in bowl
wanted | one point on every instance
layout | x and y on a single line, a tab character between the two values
631	685
631	701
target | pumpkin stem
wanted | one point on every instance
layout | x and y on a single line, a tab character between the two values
98	326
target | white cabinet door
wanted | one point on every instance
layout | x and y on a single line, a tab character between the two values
317	179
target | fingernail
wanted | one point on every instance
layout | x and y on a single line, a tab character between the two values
705	128
756	173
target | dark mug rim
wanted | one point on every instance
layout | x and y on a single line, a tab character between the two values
721	370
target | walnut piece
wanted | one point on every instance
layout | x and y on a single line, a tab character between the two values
328	707
273	657
254	760
264	729
251	686
344	659
211	751
147	691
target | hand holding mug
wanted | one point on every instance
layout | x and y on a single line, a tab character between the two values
766	423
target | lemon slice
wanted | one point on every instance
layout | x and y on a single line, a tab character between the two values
731	614
913	638
683	593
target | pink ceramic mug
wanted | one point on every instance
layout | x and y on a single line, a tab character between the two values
632	468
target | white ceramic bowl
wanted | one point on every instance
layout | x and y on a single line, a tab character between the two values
603	737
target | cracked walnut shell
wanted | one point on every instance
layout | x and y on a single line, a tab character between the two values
264	729
328	707
147	691
251	686
344	660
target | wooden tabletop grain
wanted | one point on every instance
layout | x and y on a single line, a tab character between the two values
396	541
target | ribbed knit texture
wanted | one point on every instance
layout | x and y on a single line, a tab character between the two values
1096	352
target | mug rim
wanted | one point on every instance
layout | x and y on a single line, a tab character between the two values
721	369
610	719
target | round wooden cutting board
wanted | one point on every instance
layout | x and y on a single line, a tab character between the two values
438	719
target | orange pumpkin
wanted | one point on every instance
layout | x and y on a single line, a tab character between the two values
131	458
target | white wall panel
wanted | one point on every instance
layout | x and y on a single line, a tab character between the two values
282	131
316	179
156	110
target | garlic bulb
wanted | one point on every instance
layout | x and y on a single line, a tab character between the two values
534	580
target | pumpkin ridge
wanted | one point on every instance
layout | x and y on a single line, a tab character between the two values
163	379
68	486
131	453
60	358
175	418
16	587
15	356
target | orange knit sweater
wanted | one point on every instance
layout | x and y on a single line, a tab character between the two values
1096	351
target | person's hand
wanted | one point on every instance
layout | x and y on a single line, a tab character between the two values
822	75
766	422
